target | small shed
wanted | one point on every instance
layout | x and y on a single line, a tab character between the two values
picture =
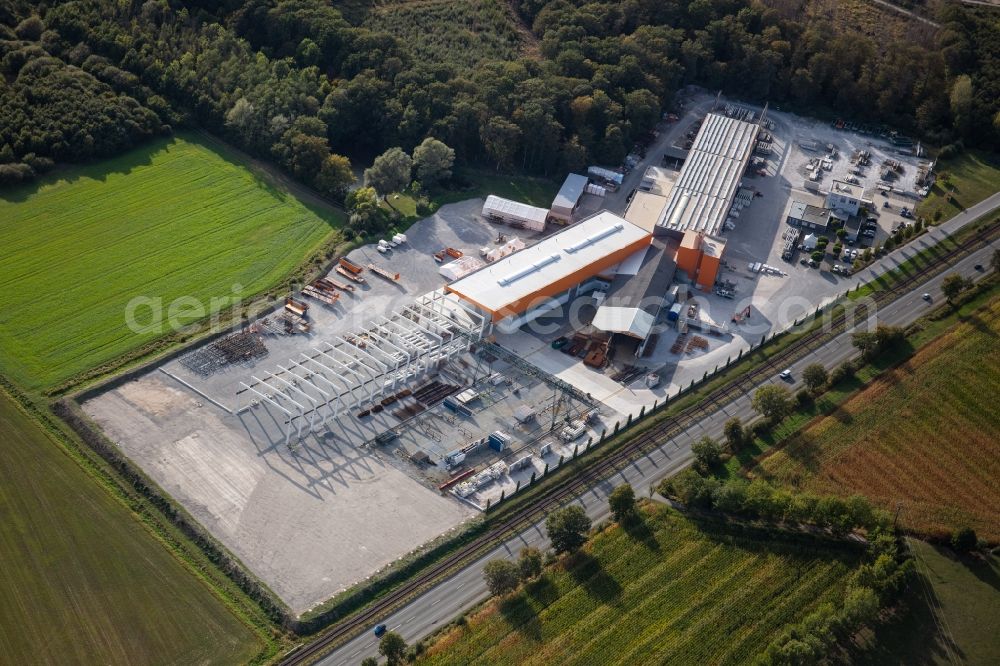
568	198
523	413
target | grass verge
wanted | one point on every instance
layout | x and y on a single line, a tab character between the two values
963	181
948	615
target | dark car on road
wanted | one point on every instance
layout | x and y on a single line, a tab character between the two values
379	630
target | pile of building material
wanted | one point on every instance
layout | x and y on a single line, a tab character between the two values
383	273
514	213
509	247
243	346
350	270
322	290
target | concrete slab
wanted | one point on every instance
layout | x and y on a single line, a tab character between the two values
309	524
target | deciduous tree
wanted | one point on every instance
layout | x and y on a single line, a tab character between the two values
773	402
964	539
390	172
335	175
529	561
622	503
501	576
707	453
953	285
393	648
433	161
815	376
734	433
567	528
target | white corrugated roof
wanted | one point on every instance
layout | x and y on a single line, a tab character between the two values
570	192
633	321
500	206
700	199
558	256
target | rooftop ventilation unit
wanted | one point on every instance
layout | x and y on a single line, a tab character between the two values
594	238
528	270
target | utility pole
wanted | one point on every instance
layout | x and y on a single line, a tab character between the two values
556	401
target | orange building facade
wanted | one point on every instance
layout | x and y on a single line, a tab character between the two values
700	256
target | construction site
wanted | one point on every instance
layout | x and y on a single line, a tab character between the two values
361	404
430	375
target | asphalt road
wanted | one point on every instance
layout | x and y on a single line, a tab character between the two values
451	597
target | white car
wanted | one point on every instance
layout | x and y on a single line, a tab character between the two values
786	374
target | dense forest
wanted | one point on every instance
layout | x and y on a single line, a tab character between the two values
294	81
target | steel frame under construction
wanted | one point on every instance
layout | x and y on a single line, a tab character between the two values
355	370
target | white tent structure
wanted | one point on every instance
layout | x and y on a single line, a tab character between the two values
810	241
460	267
510	247
515	213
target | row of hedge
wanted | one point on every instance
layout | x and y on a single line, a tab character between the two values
758	499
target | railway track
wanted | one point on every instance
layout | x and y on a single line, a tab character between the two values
625	453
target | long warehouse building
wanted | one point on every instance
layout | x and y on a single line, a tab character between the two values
524	285
703	194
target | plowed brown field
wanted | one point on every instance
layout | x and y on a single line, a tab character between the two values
924	437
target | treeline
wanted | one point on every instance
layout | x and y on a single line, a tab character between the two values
55	110
293	81
758	499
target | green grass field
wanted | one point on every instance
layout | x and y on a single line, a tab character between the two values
950	614
970	178
923	437
173	219
460	32
668	591
83	581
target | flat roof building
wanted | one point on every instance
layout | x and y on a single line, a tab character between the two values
844	197
568	198
644	209
807	216
554	268
703	194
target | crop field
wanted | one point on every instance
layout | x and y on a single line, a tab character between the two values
83	581
666	591
172	220
924	437
460	32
